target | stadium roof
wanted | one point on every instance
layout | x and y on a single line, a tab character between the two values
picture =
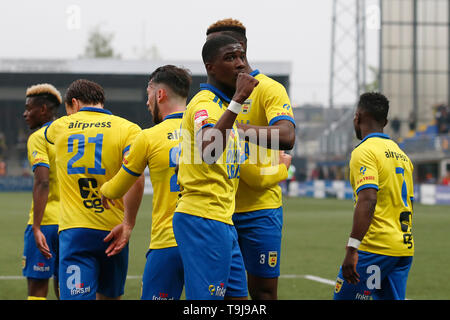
117	66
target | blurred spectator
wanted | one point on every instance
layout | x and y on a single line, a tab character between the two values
442	119
26	170
314	174
3	146
2	168
332	173
446	180
412	121
395	125
321	175
429	178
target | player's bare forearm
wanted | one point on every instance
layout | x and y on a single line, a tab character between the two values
40	194
362	218
120	234
132	201
280	135
363	214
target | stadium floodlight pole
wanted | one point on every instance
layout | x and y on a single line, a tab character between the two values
348	52
415	68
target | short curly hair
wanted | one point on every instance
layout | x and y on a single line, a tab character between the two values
375	104
44	89
45	93
229	26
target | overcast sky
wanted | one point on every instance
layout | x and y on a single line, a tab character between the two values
296	31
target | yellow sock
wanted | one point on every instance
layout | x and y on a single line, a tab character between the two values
36	298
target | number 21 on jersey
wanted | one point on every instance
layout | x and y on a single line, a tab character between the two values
81	143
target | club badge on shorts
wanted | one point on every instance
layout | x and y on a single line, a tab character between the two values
339	283
273	258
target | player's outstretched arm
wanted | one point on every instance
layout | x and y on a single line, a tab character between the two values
40	197
261	178
280	135
362	217
120	235
117	187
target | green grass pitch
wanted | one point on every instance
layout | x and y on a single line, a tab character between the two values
315	232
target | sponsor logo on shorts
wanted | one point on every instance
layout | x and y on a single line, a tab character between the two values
218	291
162	296
366	295
41	267
74	283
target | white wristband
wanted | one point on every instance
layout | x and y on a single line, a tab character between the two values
235	107
354	243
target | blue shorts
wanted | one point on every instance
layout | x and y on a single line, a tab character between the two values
35	265
380	278
84	267
163	277
212	260
259	235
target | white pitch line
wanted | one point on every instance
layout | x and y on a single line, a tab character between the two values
283	276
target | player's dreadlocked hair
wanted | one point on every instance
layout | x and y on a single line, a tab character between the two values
45	93
375	104
229	26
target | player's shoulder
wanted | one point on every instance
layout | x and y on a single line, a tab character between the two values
204	99
266	82
36	137
123	123
363	149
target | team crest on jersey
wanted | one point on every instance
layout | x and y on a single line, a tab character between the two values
338	286
362	170
246	106
273	257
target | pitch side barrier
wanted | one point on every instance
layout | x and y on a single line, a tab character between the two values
430	194
423	193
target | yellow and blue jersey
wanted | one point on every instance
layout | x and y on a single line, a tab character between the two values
42	153
267	104
89	147
158	147
207	190
377	162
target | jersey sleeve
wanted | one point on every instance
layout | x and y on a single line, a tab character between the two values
135	159
37	151
204	114
261	178
133	165
363	170
277	104
51	131
130	131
